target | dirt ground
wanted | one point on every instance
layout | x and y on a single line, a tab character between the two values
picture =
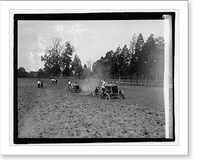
54	112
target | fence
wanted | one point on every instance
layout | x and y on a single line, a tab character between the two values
148	82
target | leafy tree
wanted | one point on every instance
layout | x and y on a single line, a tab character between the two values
116	63
76	66
98	68
108	63
159	58
133	44
66	59
58	57
51	58
120	62
139	44
40	73
125	61
150	48
85	71
21	72
148	56
138	60
133	59
102	68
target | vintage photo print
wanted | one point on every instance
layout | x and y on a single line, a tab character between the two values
98	77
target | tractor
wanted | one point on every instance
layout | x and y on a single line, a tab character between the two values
111	91
74	88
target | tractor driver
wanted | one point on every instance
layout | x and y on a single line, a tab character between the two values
103	85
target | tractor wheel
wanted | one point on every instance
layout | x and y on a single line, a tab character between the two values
107	96
121	94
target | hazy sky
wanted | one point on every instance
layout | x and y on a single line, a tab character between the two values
91	39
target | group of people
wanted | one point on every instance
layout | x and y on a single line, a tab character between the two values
40	83
54	81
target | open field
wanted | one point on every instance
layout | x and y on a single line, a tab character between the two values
54	112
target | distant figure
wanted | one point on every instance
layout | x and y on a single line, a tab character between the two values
55	80
103	85
52	81
69	83
38	83
41	83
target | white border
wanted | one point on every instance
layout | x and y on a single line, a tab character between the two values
166	74
181	74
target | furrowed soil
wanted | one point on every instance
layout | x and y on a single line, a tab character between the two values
54	112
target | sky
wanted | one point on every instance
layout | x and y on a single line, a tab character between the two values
91	39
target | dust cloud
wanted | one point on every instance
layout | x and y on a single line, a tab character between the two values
89	85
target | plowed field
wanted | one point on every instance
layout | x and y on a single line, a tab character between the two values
54	112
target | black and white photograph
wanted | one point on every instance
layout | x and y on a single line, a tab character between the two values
94	77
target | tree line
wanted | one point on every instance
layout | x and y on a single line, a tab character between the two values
140	60
57	62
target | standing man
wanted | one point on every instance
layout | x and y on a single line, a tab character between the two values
38	83
103	85
41	84
69	83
